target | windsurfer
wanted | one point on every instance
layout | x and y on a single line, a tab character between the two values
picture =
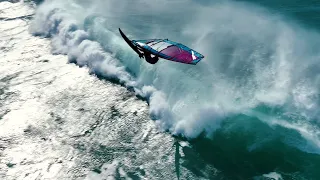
149	59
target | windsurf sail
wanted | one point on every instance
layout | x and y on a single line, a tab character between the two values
169	50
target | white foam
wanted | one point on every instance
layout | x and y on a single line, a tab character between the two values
244	66
273	175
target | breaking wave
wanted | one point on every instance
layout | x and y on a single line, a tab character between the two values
257	64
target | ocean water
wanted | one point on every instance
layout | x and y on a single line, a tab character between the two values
249	110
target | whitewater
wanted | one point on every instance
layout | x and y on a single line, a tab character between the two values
256	91
245	67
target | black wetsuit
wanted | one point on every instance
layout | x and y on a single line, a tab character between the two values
149	59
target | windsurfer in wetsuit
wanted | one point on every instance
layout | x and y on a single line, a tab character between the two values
149	59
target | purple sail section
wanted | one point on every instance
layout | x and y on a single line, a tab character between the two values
177	54
184	56
171	51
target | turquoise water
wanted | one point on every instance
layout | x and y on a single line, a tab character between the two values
305	12
249	108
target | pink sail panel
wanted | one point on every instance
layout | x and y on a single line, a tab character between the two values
178	54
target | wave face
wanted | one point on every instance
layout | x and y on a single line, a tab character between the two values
260	74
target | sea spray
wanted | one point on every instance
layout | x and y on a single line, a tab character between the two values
253	59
